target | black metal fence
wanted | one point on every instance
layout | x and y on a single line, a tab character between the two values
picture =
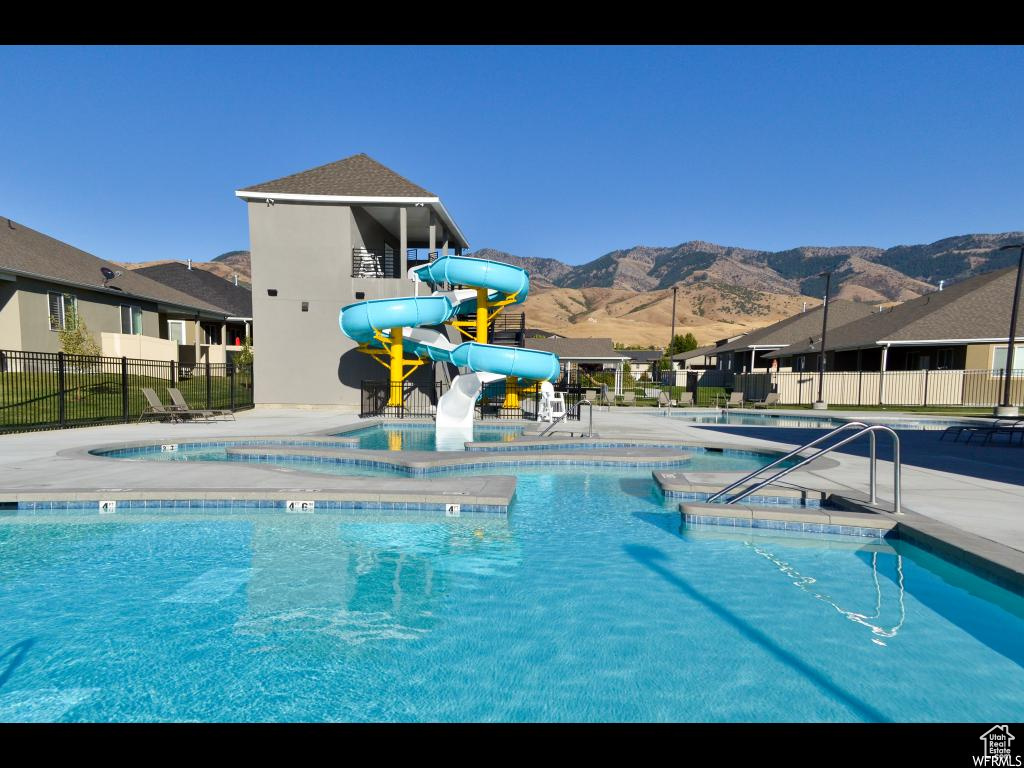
47	390
497	400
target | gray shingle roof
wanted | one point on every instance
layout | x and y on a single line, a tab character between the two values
643	355
24	250
711	349
976	308
355	176
801	326
574	349
236	300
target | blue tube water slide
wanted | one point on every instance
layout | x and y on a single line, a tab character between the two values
494	275
360	321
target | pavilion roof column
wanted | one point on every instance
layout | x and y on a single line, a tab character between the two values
403	238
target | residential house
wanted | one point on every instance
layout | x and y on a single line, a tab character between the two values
321	239
43	281
748	353
230	295
644	362
588	356
964	326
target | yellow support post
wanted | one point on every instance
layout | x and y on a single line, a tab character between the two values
396	368
511	392
482	316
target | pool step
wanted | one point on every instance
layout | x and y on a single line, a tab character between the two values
776	517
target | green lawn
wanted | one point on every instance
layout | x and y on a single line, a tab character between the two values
30	400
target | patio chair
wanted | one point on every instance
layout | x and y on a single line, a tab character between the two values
181	406
591	395
628	398
736	398
664	401
772	398
1011	427
685	399
157	408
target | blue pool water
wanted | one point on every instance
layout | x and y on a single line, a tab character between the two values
727	418
422	437
692	459
590	603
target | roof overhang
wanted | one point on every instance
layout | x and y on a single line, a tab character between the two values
434	202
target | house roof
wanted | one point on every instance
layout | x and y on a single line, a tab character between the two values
235	300
800	326
578	349
643	355
711	349
356	176
24	251
976	309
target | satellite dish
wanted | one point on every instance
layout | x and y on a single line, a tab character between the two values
108	274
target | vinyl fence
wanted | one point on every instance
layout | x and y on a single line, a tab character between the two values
981	388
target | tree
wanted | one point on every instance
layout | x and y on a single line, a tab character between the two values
75	337
681	344
244	356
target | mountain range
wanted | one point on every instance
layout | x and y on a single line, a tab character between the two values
721	290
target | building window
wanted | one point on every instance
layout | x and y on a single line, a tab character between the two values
63	308
211	333
131	320
944	359
999	359
176	331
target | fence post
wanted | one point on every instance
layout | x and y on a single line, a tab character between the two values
172	373
209	392
61	412
231	386
124	389
926	386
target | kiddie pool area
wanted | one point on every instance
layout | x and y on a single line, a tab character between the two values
589	594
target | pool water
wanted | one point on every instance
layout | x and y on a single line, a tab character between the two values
692	459
591	603
760	420
727	418
423	437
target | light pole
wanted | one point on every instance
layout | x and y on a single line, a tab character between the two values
820	404
672	338
1007	408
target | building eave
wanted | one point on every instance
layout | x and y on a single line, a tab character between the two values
433	202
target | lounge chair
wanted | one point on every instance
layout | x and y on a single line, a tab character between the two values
158	409
772	398
685	399
181	406
664	400
591	395
628	398
1007	426
736	398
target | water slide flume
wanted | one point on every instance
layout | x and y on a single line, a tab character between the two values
387	329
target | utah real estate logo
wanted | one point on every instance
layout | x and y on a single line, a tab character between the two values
998	748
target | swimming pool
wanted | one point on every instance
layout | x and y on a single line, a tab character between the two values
690	458
591	603
799	421
422	437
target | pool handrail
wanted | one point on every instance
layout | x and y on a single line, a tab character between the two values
873	482
791	454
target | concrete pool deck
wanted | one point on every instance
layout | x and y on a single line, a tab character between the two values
56	462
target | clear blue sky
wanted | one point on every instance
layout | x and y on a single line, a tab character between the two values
134	153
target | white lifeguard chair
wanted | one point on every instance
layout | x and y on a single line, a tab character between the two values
552	404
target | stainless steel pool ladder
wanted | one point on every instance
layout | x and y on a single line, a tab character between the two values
862	429
559	419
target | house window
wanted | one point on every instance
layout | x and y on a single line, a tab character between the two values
63	307
211	333
176	331
999	359
944	359
131	320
